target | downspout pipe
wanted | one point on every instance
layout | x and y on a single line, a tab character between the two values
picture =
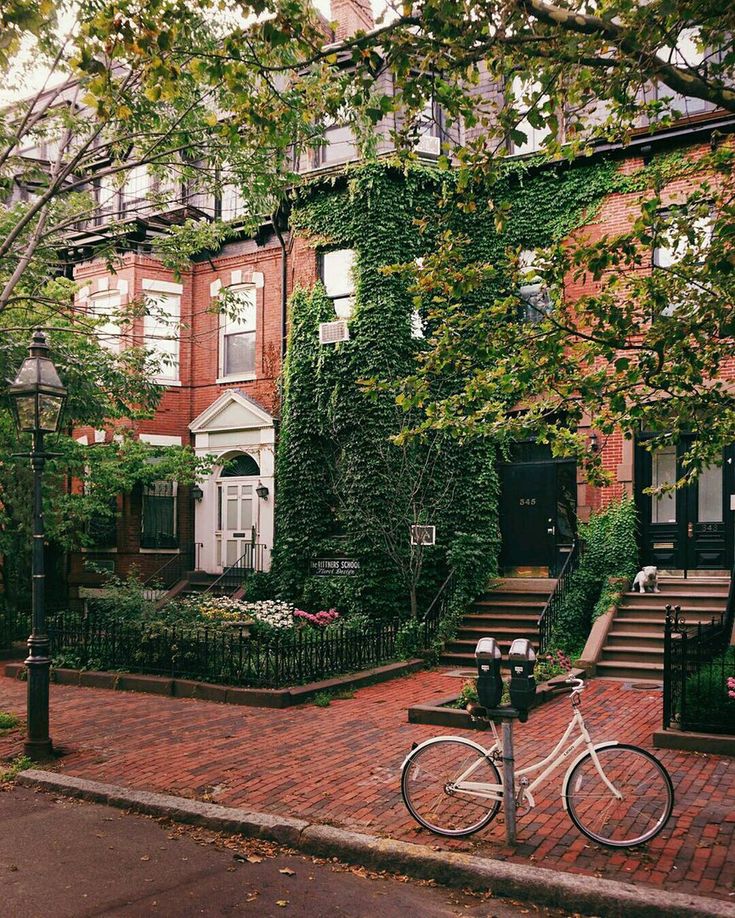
284	281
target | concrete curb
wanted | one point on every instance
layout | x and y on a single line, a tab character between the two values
224	694
537	884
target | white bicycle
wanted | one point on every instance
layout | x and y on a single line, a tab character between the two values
615	794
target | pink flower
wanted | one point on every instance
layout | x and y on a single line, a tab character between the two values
731	686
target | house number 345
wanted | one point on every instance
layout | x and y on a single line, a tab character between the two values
528	502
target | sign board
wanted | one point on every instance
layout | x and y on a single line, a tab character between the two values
334	567
423	535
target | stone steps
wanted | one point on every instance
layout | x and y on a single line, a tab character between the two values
634	647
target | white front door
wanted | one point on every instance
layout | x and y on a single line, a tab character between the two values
237	526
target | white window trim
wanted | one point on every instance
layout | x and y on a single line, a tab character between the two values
223	377
174	291
112	342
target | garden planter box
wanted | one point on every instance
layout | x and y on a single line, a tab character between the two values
436	712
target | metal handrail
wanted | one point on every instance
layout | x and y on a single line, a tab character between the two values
445	588
546	618
174	563
254	552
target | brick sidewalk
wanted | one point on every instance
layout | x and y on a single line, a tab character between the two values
340	765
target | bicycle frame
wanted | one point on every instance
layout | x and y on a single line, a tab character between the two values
549	764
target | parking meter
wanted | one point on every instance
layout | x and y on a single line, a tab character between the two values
489	679
522	659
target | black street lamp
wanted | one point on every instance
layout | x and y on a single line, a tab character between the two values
36	399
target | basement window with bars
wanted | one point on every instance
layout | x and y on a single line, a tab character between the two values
158	515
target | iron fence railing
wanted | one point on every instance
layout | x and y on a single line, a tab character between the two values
697	663
549	614
233	577
15	625
174	568
223	654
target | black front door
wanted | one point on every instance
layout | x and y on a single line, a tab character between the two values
688	529
538	513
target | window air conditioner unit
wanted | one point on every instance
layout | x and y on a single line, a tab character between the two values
428	145
333	332
423	535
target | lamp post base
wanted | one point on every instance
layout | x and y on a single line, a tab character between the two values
38	750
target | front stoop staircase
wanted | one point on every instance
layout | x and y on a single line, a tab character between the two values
510	610
634	648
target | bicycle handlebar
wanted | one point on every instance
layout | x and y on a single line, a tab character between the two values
576	682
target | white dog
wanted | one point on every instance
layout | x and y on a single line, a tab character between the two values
646	581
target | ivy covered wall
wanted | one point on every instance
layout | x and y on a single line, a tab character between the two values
343	485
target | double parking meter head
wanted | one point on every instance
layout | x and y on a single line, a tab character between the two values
522	659
489	679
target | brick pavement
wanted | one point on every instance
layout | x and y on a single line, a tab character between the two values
340	765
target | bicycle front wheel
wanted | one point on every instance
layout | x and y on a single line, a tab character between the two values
636	813
428	785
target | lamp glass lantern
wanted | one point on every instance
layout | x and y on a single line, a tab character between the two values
262	491
37	395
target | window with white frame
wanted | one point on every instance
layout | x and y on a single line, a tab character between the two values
237	333
689	53
528	98
337	274
232	203
136	188
105	309
108	190
161	328
674	242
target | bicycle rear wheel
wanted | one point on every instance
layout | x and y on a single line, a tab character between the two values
645	802
427	785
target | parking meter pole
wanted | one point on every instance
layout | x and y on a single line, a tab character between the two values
509	799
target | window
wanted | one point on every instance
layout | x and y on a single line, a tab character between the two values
337	273
239	466
232	203
533	291
526	101
102	527
161	332
158	515
237	334
709	495
663	472
338	146
107	197
687	53
105	308
674	244
135	189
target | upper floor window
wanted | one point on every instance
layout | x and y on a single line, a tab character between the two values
237	334
687	53
161	328
679	237
337	274
533	291
105	307
338	145
232	203
529	102
136	188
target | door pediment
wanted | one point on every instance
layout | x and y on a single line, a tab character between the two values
231	411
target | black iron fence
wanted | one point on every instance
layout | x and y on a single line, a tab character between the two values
549	614
223	654
15	625
698	662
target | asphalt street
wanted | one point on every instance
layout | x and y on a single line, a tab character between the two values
62	858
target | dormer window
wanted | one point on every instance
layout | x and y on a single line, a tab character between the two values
337	274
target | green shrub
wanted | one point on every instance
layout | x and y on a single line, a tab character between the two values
8	721
707	698
609	550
